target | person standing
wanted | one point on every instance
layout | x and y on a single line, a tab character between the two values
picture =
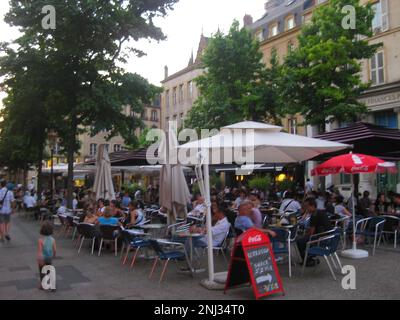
309	186
7	208
46	249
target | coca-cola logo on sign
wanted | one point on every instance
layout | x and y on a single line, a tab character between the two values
254	239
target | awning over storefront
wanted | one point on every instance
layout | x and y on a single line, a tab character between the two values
366	138
126	158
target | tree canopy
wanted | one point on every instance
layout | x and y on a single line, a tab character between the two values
322	78
86	87
236	85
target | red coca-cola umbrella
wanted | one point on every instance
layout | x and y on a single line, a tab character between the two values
353	163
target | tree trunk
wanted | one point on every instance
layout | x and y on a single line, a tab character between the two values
70	158
40	173
70	178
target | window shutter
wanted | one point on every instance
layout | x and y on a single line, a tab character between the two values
385	15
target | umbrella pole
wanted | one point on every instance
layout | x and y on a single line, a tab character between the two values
209	226
354	253
354	212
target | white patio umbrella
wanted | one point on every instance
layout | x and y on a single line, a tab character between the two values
251	142
103	184
174	192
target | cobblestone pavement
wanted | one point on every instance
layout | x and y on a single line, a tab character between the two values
92	277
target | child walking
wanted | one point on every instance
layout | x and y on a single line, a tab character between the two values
46	249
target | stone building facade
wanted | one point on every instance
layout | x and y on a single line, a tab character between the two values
180	90
277	31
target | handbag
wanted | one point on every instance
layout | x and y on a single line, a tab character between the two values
2	201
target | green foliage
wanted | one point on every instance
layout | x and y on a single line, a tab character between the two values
286	185
260	182
84	84
215	181
133	187
322	76
236	85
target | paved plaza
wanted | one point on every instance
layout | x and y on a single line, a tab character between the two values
93	277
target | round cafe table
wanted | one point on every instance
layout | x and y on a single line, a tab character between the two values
190	236
154	228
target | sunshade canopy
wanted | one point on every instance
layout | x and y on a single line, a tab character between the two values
254	142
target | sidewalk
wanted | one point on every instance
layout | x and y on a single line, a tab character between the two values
92	277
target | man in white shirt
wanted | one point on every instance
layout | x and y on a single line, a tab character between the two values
7	208
289	204
29	201
309	186
219	232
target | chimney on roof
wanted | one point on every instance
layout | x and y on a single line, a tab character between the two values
165	72
247	20
271	4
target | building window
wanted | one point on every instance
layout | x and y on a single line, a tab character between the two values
377	69
117	147
167	98
107	147
93	149
154	115
156	101
144	115
181	93
290	24
274	30
290	47
292	124
181	122
386	119
260	35
345	178
380	23
174	97
190	90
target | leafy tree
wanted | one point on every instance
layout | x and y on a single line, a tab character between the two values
24	125
236	84
86	86
322	76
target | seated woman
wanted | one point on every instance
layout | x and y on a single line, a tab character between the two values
90	216
116	211
107	218
340	209
100	207
381	204
135	215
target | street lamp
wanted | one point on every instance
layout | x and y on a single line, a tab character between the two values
52	136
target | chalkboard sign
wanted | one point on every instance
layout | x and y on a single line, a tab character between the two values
253	261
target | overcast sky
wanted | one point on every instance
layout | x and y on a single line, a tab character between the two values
182	26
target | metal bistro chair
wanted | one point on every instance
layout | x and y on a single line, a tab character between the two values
222	247
281	245
395	232
108	233
174	255
371	228
324	245
86	231
342	225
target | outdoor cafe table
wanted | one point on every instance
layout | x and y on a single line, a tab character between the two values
190	236
154	228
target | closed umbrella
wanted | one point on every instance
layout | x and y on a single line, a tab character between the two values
252	142
353	164
174	192
103	184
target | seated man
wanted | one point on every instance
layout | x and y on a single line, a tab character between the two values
289	204
243	222
199	208
319	223
219	231
107	218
